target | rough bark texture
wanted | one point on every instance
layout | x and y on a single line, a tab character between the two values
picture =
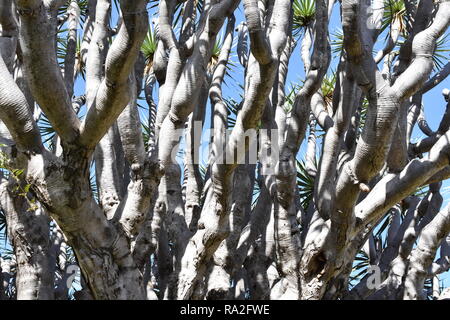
93	176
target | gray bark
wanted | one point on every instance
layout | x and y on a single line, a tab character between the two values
160	229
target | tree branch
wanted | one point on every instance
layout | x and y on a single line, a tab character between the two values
15	113
395	187
423	47
37	34
114	92
423	255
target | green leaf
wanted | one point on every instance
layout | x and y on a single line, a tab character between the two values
148	48
17	172
26	189
305	184
304	15
394	10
